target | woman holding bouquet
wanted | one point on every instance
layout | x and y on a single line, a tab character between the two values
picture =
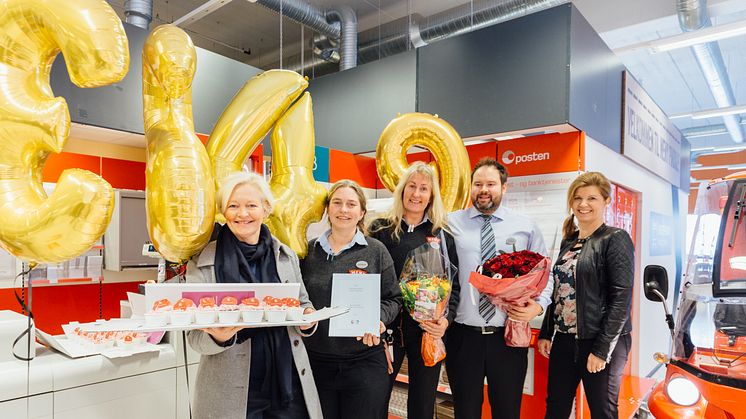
351	374
417	217
586	332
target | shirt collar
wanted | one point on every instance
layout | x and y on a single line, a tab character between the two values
412	227
323	241
499	213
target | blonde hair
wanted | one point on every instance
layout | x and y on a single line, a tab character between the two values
435	210
596	179
346	183
236	179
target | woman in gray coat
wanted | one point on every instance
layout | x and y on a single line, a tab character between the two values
256	372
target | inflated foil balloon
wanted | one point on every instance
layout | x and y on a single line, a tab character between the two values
180	191
299	200
248	118
33	123
437	136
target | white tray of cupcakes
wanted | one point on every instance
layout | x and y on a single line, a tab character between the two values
248	311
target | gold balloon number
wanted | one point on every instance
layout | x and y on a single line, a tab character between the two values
299	199
182	175
34	123
437	136
180	192
249	116
261	104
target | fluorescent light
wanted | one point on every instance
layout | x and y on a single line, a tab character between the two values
200	12
721	166
687	39
695	150
708	34
711	113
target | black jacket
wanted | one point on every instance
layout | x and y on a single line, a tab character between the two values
604	276
399	250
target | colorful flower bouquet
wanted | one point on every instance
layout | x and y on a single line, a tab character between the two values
426	289
513	279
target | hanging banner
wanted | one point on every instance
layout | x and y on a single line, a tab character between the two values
649	138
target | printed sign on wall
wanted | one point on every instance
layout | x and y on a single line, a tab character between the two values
549	153
649	138
321	164
661	234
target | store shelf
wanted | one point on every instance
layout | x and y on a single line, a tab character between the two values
442	387
65	281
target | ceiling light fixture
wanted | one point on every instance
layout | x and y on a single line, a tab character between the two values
200	12
720	166
687	39
711	113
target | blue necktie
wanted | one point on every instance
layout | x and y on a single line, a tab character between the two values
486	308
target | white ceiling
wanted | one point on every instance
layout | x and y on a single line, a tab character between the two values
673	78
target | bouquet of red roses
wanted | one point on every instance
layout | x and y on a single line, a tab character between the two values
513	279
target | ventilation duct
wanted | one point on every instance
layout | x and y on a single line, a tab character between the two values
693	16
348	37
305	14
415	31
138	12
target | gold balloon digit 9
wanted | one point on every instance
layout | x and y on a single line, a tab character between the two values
180	192
439	137
33	123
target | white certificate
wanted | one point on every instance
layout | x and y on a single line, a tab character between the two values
362	294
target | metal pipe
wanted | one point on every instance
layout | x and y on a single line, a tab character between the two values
348	39
304	13
405	33
693	16
138	12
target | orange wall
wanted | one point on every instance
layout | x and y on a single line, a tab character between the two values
361	169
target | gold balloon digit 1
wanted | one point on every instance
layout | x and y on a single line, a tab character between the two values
299	199
180	191
33	124
437	136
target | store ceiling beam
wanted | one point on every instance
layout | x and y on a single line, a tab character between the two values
200	12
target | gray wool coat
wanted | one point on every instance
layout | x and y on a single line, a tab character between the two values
221	389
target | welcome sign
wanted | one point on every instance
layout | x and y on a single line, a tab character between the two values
649	138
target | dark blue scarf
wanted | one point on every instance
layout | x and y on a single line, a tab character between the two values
271	370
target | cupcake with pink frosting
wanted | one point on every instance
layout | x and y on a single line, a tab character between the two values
228	311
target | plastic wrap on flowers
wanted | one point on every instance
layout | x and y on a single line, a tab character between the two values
513	279
426	289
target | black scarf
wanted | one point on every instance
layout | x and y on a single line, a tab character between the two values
271	355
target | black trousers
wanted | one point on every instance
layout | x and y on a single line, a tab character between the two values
568	366
260	405
352	389
423	381
472	356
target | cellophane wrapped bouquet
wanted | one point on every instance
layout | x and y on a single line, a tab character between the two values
513	279
426	289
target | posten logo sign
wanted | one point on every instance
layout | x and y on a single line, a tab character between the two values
510	157
548	153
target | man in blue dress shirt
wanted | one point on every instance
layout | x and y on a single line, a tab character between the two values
475	343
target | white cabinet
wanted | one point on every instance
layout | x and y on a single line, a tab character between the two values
36	407
151	395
